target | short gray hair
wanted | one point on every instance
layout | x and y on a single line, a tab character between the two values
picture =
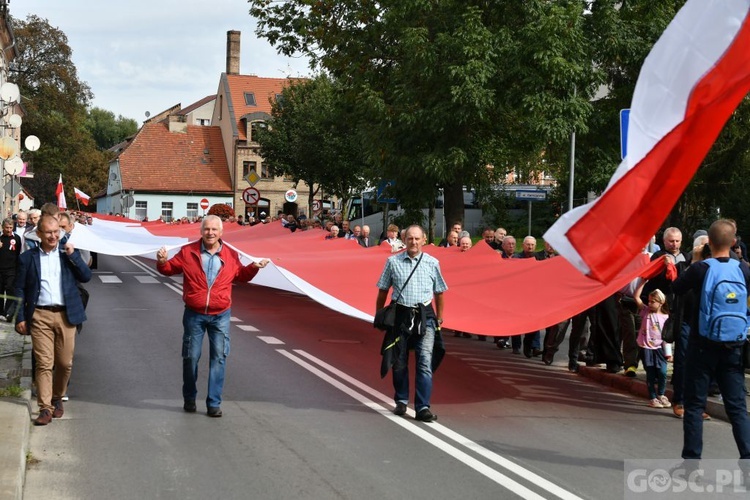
212	217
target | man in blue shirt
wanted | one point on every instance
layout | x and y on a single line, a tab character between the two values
417	324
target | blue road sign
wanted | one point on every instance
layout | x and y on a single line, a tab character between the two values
383	192
624	120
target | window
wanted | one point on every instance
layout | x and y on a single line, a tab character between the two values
265	171
250	99
166	211
141	210
255	127
247	166
203	122
192	211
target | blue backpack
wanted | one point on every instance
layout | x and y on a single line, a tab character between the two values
723	304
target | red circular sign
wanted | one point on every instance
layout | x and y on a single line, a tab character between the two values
204	203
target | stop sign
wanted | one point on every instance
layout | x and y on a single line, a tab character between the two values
204	203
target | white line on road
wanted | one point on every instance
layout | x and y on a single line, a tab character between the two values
271	340
458	438
146	279
247	328
143	266
110	279
173	288
417	430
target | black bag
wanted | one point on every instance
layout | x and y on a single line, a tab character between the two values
667	331
385	318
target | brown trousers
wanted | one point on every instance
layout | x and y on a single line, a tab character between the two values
53	339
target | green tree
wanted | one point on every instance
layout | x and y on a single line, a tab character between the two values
107	130
446	88
55	101
310	139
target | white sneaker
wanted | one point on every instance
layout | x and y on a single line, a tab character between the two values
664	402
65	398
655	403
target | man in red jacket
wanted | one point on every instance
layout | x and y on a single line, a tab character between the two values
209	268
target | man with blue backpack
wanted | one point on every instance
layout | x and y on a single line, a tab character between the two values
717	336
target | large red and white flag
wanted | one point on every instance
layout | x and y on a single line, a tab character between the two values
691	82
61	203
81	196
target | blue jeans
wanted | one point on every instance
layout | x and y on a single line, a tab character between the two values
725	364
535	338
195	326
422	345
656	380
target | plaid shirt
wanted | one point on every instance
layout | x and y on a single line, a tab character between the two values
424	283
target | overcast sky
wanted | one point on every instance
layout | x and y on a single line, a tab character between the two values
148	55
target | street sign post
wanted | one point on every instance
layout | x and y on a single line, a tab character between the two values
204	204
531	196
251	196
290	196
316	206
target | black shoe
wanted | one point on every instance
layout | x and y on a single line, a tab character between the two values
502	344
536	352
548	357
189	406
612	368
516	351
482	338
399	410
527	351
425	415
573	366
214	411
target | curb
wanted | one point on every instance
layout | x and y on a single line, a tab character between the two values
637	387
15	428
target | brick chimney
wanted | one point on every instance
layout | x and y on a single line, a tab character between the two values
233	52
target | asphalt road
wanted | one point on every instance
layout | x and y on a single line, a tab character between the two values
306	414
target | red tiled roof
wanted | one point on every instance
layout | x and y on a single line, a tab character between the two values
160	160
263	88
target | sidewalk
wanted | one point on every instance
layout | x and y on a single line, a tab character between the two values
637	387
15	414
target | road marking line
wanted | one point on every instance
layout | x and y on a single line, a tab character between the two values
247	328
270	340
417	430
110	279
234	319
143	266
173	288
146	279
488	454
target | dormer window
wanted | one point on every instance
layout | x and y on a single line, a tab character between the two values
255	127
250	99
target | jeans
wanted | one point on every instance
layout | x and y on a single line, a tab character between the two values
656	380
533	339
422	345
678	369
725	364
195	326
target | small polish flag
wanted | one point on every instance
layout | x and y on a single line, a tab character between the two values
61	203
81	196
